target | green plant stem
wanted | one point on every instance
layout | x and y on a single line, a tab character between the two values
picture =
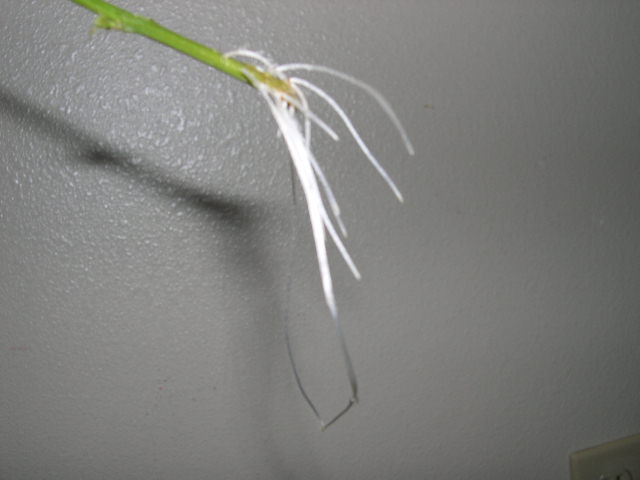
111	17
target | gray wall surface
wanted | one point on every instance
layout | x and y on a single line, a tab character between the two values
148	237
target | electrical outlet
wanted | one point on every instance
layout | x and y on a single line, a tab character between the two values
617	460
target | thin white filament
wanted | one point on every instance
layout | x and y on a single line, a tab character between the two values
301	106
354	133
340	245
333	202
309	158
271	68
348	365
296	144
296	131
307	122
312	116
304	162
300	157
384	104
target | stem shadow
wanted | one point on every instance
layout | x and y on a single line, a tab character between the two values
239	217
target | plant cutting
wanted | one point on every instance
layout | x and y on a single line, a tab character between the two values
290	99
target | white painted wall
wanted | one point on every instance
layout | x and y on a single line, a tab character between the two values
146	244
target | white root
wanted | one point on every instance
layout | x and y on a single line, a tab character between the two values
297	136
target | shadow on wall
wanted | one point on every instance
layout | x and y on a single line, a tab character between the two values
96	152
237	218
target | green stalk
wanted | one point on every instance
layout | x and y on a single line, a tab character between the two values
111	17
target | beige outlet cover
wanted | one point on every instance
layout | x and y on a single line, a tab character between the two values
617	460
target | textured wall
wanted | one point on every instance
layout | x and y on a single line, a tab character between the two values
146	244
